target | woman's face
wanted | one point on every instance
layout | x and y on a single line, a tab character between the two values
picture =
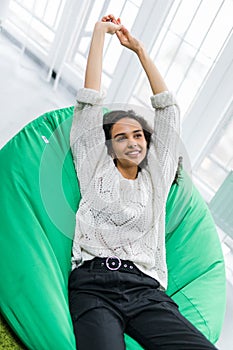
128	142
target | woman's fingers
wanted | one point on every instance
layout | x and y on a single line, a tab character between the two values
114	25
110	27
123	33
109	18
123	38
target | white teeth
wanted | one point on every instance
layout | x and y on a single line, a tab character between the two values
133	152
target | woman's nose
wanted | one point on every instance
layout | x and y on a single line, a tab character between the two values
132	143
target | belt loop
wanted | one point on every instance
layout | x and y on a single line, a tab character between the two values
92	264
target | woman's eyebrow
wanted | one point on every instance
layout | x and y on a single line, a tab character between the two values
120	134
124	133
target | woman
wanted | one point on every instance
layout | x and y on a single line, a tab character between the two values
119	268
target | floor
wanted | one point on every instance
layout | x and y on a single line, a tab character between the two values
25	94
24	91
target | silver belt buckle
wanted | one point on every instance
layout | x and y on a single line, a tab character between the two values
118	263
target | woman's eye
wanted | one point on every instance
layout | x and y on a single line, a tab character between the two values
121	138
138	136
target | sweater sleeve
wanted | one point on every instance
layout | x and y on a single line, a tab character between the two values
164	149
87	138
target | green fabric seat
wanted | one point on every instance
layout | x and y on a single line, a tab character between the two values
39	197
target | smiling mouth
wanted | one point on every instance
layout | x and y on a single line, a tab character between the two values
134	153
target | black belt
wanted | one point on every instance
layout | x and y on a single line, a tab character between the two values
112	263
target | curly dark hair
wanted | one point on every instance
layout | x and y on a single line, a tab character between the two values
112	117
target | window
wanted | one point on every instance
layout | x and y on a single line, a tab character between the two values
37	19
193	35
97	9
218	160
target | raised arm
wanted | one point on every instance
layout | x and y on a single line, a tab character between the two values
155	79
87	138
165	140
95	57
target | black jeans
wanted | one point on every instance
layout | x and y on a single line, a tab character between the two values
105	304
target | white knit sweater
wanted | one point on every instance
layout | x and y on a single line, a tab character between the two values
117	216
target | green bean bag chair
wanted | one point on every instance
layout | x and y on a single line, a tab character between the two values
39	197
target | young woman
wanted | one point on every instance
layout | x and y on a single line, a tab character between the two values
119	276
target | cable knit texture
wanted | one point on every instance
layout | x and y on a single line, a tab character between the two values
117	216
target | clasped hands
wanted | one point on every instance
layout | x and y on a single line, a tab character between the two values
112	25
